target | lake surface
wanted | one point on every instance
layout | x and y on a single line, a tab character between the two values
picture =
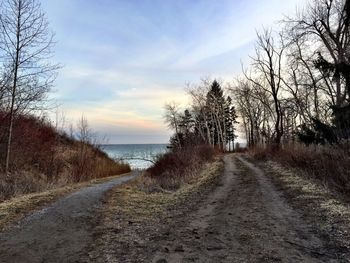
128	152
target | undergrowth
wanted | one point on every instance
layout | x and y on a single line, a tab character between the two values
328	164
42	158
177	167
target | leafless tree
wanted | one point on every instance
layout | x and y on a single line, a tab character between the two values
326	24
26	47
172	117
267	68
255	108
198	95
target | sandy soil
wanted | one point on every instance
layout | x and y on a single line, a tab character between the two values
59	233
244	220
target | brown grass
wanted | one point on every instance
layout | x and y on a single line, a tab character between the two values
132	211
30	179
43	159
328	164
324	208
176	168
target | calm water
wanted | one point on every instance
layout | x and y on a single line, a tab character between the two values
134	151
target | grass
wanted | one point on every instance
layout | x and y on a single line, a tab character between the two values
132	213
329	165
31	180
176	168
44	158
137	202
324	208
17	208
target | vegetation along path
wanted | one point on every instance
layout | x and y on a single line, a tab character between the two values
61	231
244	220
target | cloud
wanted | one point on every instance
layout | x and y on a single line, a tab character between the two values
124	59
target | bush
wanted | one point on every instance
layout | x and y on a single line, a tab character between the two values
328	164
42	158
177	167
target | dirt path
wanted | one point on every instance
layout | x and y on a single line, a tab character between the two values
59	233
244	220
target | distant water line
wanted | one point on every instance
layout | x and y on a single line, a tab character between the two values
135	154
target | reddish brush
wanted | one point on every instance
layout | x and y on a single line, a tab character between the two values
178	166
327	163
43	158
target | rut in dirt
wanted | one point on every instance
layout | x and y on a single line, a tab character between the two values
244	220
59	233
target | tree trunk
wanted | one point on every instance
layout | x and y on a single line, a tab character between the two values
13	95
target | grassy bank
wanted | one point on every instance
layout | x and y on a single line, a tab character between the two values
327	210
42	159
176	168
316	181
328	165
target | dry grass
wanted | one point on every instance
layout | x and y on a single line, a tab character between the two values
328	164
176	168
132	214
42	158
17	208
329	211
30	179
137	200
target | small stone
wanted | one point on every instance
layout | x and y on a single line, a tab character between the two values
217	247
162	260
179	249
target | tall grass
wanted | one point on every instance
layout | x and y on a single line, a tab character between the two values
177	167
329	164
43	159
68	171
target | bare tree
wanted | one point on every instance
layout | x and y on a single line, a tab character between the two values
326	23
255	107
198	94
26	47
267	66
172	117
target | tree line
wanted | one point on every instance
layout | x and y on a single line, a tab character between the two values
295	88
298	84
209	120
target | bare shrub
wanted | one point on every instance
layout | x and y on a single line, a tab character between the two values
22	183
328	164
44	159
177	167
94	164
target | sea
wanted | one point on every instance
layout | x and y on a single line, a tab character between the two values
137	155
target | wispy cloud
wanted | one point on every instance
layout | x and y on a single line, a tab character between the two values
124	59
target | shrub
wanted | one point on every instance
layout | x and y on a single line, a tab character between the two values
328	164
177	167
42	158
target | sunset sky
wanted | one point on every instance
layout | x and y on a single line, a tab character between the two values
124	59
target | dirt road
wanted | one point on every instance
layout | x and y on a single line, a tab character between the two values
244	220
59	233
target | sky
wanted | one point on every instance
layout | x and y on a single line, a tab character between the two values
122	60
